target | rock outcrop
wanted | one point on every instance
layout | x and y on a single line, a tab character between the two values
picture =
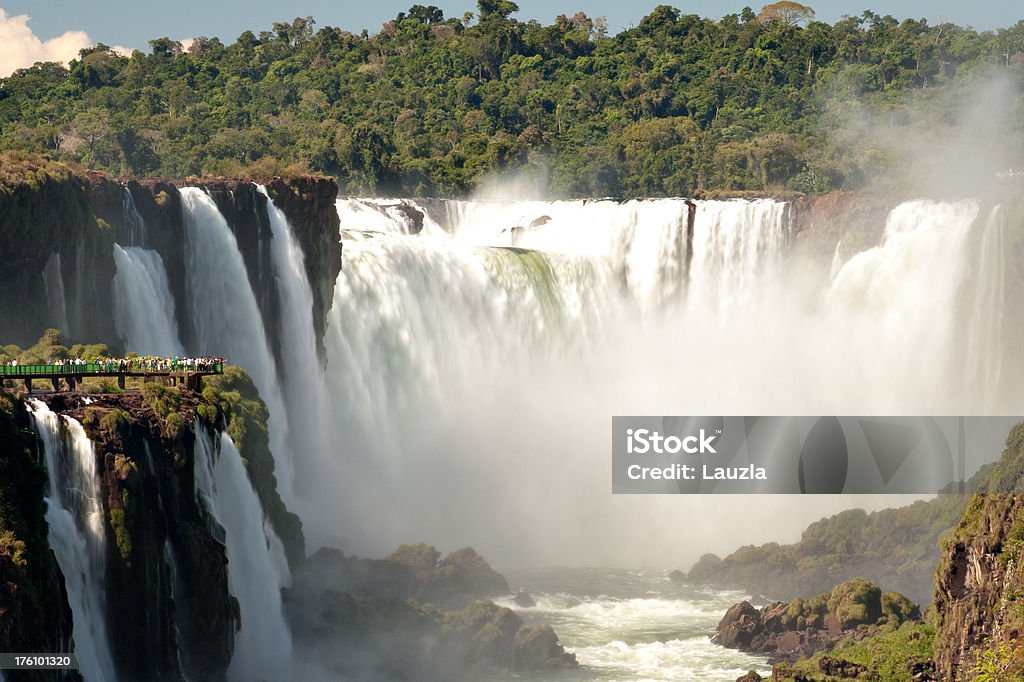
801	628
307	203
895	548
145	459
452	582
57	262
980	579
58	225
386	609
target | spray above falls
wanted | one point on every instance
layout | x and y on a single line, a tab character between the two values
514	328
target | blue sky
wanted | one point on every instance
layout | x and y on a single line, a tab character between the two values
57	29
133	23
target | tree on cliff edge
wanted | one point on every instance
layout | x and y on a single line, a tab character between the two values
786	11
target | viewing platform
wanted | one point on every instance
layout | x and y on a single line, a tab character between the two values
189	375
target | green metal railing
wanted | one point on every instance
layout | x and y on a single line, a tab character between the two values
106	369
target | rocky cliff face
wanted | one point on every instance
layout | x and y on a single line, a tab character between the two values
980	579
58	226
56	262
167	587
170	613
34	611
308	204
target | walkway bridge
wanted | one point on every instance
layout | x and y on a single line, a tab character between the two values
72	374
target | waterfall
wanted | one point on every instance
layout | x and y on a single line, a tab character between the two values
305	390
837	261
895	305
735	246
466	371
176	588
74	512
255	573
643	241
382	215
416	299
55	297
472	369
143	305
985	346
225	315
136	226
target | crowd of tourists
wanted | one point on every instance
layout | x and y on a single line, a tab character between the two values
137	363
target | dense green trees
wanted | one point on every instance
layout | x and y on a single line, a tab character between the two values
431	105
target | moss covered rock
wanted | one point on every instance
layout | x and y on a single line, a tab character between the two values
246	418
803	627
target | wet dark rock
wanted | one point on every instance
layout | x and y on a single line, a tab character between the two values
34	610
922	671
705	569
524	600
677	576
46	212
150	508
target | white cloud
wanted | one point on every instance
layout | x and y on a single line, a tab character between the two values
21	47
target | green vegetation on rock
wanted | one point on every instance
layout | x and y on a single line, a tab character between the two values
894	548
892	655
245	415
51	346
980	581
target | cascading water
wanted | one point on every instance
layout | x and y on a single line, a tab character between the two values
735	245
437	354
176	588
644	241
985	345
381	215
143	305
471	370
56	301
892	309
77	534
263	645
136	226
305	390
225	316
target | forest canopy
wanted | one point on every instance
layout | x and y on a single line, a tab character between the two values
433	105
